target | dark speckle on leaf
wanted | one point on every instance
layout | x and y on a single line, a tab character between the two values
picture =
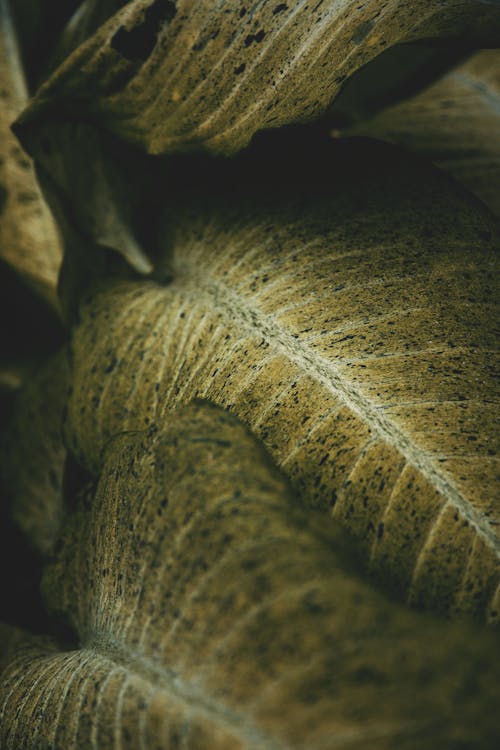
258	37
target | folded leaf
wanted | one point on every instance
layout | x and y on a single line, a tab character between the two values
456	123
342	303
95	188
28	237
176	76
213	613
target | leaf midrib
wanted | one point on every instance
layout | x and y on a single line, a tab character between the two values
103	645
246	316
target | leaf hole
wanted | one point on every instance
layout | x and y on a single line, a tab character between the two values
139	42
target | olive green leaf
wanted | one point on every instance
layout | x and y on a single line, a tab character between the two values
456	123
190	74
28	238
212	612
343	304
32	454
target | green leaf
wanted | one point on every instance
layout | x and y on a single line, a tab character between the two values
212	612
342	303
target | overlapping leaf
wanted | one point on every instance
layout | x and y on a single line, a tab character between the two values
28	238
343	305
456	123
190	74
214	613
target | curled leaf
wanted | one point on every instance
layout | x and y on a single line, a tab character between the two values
212	612
28	238
456	123
101	210
342	304
176	76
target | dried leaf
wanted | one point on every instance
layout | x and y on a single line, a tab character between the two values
191	74
28	237
456	123
341	303
213	613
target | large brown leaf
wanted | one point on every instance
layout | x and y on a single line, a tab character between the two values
213	613
28	238
190	74
456	123
343	305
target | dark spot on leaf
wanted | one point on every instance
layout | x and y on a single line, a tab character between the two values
112	364
362	32
239	69
258	37
139	42
280	8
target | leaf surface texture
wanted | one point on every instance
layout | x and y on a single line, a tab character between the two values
353	331
198	74
205	600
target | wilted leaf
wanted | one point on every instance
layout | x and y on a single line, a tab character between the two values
32	454
343	305
28	238
456	123
213	613
176	76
